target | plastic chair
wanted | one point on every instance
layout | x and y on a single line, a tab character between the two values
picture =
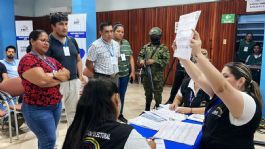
6	97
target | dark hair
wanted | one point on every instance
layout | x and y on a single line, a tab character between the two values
11	47
58	17
239	70
258	44
116	25
28	49
34	35
94	108
104	24
249	33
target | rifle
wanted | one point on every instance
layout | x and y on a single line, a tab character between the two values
148	70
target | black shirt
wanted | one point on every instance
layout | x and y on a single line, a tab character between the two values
219	133
56	51
2	70
108	135
188	97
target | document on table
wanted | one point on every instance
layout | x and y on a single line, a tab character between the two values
180	132
147	123
184	34
196	117
160	144
169	114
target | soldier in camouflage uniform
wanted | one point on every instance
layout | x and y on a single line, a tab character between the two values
155	55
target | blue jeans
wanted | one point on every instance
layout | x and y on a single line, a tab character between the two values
43	122
123	83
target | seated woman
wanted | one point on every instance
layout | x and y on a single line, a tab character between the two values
234	112
191	97
95	124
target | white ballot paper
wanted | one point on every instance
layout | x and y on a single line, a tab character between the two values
196	117
180	132
160	144
169	115
184	34
147	122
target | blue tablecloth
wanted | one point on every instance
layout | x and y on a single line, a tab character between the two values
147	133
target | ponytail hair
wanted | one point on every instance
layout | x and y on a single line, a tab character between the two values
239	70
254	91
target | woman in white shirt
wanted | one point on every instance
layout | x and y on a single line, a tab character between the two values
234	111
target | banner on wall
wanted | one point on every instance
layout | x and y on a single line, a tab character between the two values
23	29
77	30
255	5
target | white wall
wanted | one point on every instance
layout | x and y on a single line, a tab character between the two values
42	7
24	7
110	5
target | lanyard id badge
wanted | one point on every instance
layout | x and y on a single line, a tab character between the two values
123	57
66	48
245	49
66	51
114	60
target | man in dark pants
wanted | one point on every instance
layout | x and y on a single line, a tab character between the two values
179	76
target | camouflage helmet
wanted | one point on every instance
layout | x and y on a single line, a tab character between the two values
155	31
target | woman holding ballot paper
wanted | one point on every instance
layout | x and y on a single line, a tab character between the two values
234	112
190	99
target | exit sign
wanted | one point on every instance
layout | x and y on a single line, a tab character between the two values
228	18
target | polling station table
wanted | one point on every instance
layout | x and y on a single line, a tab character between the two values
147	133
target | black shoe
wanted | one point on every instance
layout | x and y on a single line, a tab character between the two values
121	118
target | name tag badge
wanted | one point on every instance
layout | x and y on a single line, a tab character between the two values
14	68
123	57
114	60
245	49
66	51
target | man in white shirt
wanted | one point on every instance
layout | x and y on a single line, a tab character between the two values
102	60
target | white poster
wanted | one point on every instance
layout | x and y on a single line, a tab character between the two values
23	29
255	5
77	30
184	34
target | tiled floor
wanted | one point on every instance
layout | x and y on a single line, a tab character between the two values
134	105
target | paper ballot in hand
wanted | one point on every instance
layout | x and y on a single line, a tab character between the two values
184	34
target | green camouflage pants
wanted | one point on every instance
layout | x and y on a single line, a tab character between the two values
149	94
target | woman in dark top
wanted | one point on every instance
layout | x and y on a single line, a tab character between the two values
41	77
191	96
95	124
234	112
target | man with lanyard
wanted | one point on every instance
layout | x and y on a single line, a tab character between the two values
156	56
102	60
65	50
10	62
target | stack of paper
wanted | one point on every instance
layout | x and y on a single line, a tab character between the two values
169	115
179	132
196	117
147	123
184	34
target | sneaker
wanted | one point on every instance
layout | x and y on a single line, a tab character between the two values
121	118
